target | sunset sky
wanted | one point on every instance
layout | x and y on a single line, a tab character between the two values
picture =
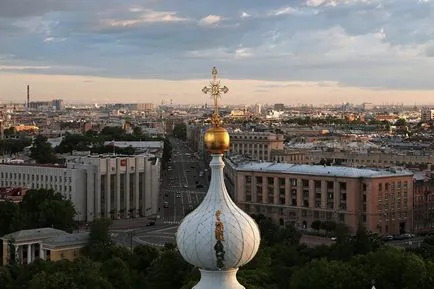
311	51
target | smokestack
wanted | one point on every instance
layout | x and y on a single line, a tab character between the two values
28	96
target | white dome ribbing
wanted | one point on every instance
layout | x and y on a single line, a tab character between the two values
217	235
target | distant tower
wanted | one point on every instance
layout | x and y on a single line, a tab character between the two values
258	109
28	97
2	129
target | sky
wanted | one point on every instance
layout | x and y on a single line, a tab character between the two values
293	51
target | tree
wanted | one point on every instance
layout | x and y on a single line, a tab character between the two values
13	146
392	268
327	274
82	273
180	131
328	226
42	152
137	131
362	243
117	273
100	242
144	255
400	122
316	225
10	220
342	233
168	271
45	208
113	131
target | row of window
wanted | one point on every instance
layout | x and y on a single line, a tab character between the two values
391	186
33	177
392	196
293	182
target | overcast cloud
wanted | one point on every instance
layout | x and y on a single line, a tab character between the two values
383	44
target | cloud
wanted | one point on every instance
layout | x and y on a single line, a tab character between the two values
12	67
210	20
146	16
360	43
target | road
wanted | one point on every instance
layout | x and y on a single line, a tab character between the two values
182	189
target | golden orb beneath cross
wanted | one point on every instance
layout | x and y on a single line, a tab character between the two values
217	140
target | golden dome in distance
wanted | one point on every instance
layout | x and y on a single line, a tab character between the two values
216	138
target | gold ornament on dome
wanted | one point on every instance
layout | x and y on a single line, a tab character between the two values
219	226
216	138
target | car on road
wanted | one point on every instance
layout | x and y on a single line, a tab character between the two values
150	223
178	196
388	238
166	204
185	186
198	186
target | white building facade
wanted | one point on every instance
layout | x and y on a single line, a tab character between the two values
99	186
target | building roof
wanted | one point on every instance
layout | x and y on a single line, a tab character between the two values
337	171
136	144
34	234
66	240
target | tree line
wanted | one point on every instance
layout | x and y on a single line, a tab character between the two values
282	262
42	152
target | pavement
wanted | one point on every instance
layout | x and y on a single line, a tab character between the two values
178	191
179	187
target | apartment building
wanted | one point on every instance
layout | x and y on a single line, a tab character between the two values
373	159
99	186
257	145
423	192
299	194
427	114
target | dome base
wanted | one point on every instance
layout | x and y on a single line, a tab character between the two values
226	279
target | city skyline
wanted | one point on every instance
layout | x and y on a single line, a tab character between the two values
315	51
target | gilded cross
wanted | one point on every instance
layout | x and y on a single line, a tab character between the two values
215	90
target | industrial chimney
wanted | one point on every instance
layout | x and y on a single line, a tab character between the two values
28	97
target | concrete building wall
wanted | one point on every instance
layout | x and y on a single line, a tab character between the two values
116	187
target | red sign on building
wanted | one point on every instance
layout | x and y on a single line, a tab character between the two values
123	163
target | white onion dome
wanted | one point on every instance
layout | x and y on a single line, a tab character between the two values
218	235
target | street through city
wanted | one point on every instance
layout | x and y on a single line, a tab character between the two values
184	185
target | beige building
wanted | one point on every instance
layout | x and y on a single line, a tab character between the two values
43	243
382	200
257	145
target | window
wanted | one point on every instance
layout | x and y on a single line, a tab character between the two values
380	187
248	180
